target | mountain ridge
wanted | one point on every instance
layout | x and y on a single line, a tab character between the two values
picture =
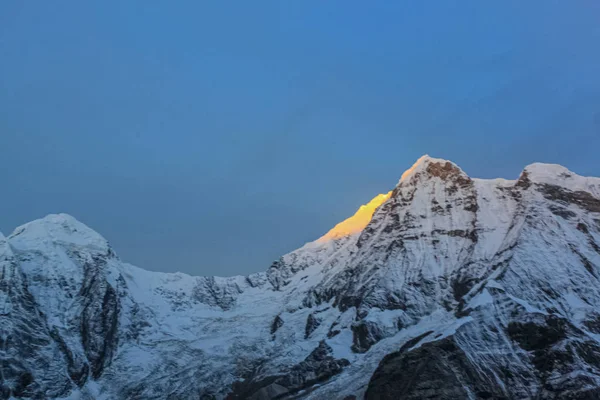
447	268
540	171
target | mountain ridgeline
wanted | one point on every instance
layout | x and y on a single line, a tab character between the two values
447	287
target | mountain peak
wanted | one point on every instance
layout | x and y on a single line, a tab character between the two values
425	163
554	171
557	175
57	228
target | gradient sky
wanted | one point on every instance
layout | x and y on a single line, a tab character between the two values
212	137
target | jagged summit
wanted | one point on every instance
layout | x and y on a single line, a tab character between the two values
425	164
557	174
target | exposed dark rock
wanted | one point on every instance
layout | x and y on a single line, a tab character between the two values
99	318
562	195
277	323
277	274
535	336
346	301
208	291
523	182
364	335
443	170
437	209
468	234
472	207
413	342
334	330
541	338
250	386
393	301
562	212
21	385
435	370
592	323
594	245
461	286
583	228
78	370
319	366
312	323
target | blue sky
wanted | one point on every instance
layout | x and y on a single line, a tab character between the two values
212	137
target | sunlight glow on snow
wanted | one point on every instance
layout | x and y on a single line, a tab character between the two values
358	221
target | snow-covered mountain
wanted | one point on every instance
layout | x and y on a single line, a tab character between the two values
447	287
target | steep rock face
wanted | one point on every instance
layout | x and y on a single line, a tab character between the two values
99	316
534	308
535	355
446	287
433	206
27	353
318	367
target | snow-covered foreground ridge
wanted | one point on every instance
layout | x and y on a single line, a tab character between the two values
447	287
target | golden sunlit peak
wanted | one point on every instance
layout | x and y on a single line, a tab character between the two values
358	221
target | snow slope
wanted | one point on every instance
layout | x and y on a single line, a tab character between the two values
446	287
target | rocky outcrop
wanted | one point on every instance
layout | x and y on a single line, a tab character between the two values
364	335
312	323
548	354
438	370
277	323
317	368
99	318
